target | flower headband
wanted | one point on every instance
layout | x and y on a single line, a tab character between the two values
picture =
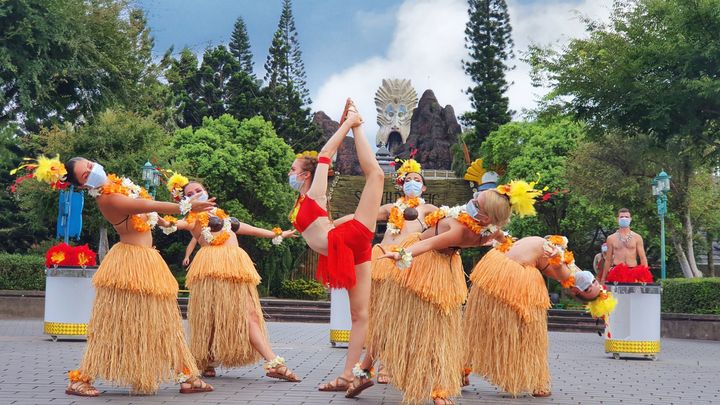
48	170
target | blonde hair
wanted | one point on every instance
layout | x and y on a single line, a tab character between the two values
497	207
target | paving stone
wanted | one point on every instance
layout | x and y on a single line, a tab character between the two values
32	371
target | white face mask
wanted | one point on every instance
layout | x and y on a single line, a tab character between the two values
96	177
295	182
202	196
471	209
412	188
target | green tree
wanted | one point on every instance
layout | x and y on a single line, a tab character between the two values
704	194
244	164
539	151
185	89
240	47
121	141
284	66
652	70
489	42
64	60
216	70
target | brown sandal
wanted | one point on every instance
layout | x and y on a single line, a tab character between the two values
195	387
282	372
209	372
335	386
355	390
541	393
82	389
383	377
348	104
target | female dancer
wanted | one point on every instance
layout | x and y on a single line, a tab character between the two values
506	314
423	351
344	248
135	334
405	217
226	322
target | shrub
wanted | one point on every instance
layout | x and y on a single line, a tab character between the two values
302	290
22	272
691	295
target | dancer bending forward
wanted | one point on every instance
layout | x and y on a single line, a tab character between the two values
344	248
423	351
226	322
506	314
135	334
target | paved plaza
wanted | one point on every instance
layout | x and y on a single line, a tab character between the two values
686	372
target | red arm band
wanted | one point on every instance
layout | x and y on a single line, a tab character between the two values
322	160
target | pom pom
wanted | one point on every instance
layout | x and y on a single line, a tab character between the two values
522	196
601	306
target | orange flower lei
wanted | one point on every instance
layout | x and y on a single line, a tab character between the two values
77	376
569	283
506	245
126	187
277	231
461	216
397	218
203	218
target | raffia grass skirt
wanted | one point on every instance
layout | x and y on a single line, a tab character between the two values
223	296
423	348
135	334
506	325
378	323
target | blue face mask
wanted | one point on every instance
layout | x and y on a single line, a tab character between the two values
624	222
294	182
412	188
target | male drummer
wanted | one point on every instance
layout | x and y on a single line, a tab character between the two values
624	247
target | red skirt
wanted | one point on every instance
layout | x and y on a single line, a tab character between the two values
348	245
621	273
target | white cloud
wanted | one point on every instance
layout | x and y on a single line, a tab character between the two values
428	46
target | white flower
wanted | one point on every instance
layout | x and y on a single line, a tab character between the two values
405	259
185	206
274	363
127	182
168	230
359	372
152	219
277	240
454	212
207	235
95	192
227	225
421	200
394	230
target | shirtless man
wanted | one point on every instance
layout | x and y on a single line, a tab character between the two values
624	248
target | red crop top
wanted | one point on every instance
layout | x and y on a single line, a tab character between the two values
307	212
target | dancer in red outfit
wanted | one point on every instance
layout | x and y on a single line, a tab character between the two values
624	249
344	246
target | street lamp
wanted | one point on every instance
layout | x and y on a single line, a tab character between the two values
660	188
151	176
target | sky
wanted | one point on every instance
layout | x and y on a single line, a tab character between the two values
350	46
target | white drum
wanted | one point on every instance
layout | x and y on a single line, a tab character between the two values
340	321
69	296
634	326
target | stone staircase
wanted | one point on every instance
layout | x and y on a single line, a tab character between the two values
283	310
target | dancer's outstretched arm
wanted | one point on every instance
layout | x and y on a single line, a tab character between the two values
318	188
249	230
127	205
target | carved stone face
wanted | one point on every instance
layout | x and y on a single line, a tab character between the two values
395	102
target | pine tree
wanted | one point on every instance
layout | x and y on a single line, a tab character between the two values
284	66
240	46
488	39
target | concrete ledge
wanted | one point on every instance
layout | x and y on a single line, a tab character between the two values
690	326
16	304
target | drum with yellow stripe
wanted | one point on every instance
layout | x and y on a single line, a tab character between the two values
69	296
634	326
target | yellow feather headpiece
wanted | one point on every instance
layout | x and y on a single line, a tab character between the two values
409	166
307	154
522	196
475	172
601	306
176	183
48	170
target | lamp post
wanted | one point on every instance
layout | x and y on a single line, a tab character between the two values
151	177
660	188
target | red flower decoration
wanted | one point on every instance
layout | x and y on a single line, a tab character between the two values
63	255
85	256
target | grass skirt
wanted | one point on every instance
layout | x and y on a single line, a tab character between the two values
422	349
506	325
380	271
223	291
135	334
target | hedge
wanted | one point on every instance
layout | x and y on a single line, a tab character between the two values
302	290
22	272
691	295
